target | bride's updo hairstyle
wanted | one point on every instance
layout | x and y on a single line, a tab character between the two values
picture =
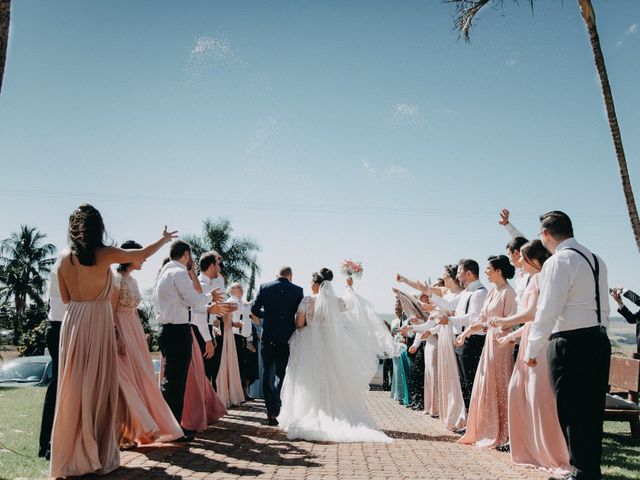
323	275
86	233
502	263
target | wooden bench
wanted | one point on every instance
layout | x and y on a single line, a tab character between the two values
624	379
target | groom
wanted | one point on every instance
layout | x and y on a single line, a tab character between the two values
277	303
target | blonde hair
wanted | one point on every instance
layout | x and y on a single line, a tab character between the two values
234	285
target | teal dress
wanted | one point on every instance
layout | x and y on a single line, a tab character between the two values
401	371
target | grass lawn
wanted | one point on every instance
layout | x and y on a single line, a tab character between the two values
621	455
20	410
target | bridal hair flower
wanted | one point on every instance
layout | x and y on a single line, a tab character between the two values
351	269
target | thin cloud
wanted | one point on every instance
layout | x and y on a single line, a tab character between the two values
404	113
632	30
391	172
511	62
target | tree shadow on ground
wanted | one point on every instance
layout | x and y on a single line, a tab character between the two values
420	436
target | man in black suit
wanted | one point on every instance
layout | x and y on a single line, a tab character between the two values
277	303
628	315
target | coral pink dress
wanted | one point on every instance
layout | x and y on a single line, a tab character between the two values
534	429
143	415
487	421
202	407
84	438
228	383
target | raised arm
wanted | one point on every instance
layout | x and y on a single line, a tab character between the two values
511	230
111	255
423	287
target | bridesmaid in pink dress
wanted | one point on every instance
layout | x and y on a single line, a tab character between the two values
228	382
144	416
84	437
534	430
202	407
487	422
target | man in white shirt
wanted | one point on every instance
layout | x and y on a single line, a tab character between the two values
513	252
210	279
174	294
467	307
573	312
57	309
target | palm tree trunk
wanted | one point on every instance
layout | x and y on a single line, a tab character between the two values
5	9
589	17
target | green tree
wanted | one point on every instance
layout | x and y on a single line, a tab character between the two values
467	10
5	13
239	254
25	265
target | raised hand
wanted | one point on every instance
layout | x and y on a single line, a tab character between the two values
217	295
616	294
168	236
504	216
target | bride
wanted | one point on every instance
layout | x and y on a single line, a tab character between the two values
332	360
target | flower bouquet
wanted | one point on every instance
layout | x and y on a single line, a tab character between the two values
351	269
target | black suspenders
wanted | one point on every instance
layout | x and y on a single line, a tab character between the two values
596	276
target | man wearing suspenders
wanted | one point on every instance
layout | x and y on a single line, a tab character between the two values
573	313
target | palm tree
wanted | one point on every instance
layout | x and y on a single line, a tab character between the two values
466	12
239	255
5	11
25	263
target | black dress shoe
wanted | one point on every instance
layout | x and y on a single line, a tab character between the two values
504	447
272	421
185	438
460	431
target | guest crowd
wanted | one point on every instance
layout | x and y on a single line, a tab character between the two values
520	368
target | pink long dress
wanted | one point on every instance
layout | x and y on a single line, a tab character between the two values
84	438
228	383
143	414
534	429
202	407
451	404
487	421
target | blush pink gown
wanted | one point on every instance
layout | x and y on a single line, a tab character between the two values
84	438
228	383
451	404
202	407
534	429
143	415
487	421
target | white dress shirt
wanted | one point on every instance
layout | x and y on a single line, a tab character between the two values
200	319
521	277
242	315
57	309
567	296
174	293
468	307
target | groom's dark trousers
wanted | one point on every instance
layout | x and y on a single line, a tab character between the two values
175	344
275	356
52	339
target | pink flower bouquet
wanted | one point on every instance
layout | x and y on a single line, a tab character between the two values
351	269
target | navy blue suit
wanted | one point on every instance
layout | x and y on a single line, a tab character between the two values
277	303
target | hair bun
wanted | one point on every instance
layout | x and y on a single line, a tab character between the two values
326	274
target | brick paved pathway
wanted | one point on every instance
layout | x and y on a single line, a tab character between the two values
241	444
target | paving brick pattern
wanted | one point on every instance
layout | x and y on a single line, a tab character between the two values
241	445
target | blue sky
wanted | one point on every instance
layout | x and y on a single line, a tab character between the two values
325	130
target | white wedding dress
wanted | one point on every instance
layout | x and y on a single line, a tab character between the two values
331	363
